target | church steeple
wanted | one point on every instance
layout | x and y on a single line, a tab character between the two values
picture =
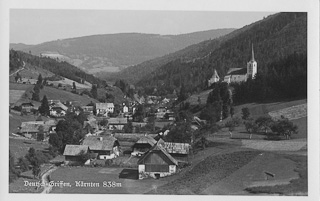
252	54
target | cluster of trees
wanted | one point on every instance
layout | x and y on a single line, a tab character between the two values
284	79
281	127
68	131
15	61
219	103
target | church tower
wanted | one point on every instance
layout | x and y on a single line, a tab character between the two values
252	66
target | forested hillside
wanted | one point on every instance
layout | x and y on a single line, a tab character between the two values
112	52
276	39
61	68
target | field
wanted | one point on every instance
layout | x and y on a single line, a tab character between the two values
19	147
58	94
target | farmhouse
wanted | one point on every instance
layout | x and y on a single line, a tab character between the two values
104	108
72	153
143	145
156	163
27	107
107	147
58	109
32	128
117	123
87	109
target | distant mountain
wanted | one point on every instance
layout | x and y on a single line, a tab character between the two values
113	52
274	39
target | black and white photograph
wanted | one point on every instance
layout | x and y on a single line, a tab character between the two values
188	98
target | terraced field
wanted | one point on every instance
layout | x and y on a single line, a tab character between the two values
294	112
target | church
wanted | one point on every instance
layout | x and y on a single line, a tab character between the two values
236	75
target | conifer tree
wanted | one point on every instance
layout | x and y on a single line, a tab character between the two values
44	109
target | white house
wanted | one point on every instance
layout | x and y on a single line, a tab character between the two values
104	108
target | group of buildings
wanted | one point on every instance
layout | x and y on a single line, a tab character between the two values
237	75
156	158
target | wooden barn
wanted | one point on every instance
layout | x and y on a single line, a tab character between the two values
107	147
143	145
156	163
72	153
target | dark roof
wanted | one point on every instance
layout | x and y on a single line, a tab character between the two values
147	140
241	71
99	142
158	148
74	150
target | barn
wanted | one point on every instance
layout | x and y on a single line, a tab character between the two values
72	153
156	163
107	147
143	145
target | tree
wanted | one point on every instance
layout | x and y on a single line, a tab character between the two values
284	127
74	86
128	128
231	111
139	113
40	81
251	127
40	135
17	77
94	91
245	113
84	156
180	133
35	94
183	94
44	109
13	172
264	123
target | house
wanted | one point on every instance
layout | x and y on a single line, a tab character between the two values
107	147
87	109
143	145
236	75
57	109
72	153
215	78
156	163
32	128
27	107
161	111
125	109
104	108
117	123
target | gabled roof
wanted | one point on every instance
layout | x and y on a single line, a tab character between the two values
34	126
74	150
158	148
100	143
26	104
116	121
237	71
101	106
147	140
59	105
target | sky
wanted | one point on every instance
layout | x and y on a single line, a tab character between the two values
34	26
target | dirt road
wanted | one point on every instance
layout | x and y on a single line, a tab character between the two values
45	180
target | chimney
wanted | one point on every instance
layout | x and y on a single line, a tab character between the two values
100	138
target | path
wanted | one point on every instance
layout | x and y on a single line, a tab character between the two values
45	180
19	69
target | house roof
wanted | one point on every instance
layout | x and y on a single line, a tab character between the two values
176	148
158	148
100	143
33	126
104	106
27	104
147	140
116	121
74	150
58	105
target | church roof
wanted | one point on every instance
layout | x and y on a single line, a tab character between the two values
237	71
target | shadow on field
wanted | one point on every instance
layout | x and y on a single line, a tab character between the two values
129	174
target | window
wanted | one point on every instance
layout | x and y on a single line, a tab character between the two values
157	168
